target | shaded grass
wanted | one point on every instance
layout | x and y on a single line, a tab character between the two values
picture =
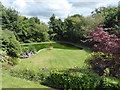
54	44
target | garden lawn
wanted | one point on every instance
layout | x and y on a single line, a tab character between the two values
55	58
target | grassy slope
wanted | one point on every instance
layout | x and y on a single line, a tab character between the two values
12	82
55	58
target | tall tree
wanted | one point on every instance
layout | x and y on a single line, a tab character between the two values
9	18
57	27
111	15
73	27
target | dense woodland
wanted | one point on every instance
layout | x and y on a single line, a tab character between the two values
100	31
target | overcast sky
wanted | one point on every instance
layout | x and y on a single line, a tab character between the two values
61	8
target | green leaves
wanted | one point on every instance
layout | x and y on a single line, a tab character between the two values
73	27
11	44
79	80
56	28
104	64
9	16
109	83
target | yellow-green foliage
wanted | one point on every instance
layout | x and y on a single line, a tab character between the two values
111	84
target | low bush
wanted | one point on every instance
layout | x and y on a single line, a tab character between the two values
4	58
71	80
104	64
15	61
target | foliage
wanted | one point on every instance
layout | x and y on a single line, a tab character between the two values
104	64
107	63
91	22
9	18
110	84
41	33
3	56
30	31
10	44
72	80
56	28
111	15
102	41
30	74
67	78
5	59
74	28
25	30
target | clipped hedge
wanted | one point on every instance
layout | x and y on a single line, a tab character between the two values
67	80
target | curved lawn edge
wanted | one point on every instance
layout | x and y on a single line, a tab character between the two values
55	58
46	49
74	44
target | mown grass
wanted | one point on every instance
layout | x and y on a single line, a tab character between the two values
55	58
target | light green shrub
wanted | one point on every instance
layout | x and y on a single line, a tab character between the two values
110	83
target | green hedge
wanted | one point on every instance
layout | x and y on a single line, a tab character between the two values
67	80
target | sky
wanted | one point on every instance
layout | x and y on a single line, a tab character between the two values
43	9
